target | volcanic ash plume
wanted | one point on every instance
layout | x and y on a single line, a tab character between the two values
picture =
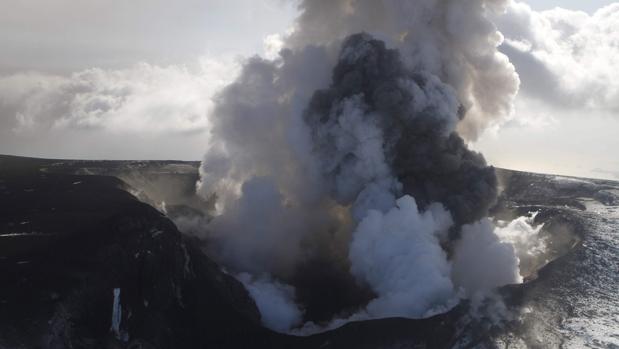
382	130
339	166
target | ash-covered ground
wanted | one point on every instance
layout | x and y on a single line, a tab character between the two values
73	232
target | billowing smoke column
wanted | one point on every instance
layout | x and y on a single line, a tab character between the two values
339	166
380	125
382	130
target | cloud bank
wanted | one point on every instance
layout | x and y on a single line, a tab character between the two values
567	104
566	58
142	101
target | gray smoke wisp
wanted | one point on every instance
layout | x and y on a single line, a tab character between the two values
340	167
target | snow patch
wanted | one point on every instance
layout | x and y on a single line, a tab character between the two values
117	316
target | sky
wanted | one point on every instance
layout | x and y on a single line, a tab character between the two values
68	35
113	79
588	6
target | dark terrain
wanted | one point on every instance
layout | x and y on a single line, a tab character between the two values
73	231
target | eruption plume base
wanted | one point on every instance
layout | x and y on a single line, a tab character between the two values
307	176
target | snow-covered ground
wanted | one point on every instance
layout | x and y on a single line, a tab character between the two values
575	303
594	318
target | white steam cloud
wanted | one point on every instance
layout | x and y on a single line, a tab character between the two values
489	256
274	300
482	261
395	251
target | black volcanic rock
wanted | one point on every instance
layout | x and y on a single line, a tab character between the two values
66	242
